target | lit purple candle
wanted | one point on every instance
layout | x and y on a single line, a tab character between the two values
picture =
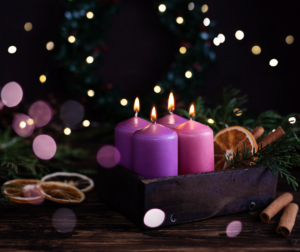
171	120
196	146
155	150
124	133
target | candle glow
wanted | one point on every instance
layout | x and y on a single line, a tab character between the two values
136	106
171	103
192	111
153	114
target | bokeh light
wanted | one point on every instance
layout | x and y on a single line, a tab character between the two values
31	194
216	41
72	112
206	21
188	74
50	46
43	78
239	35
204	8
162	8
30	121
41	113
44	147
89	59
256	50
64	220
11	94
67	131
237	112
234	228
28	26
89	15
182	50
157	89
191	6
211	121
273	62
179	20
221	37
123	102
108	156
86	123
90	93
12	49
289	39
21	126
71	39
154	218
292	120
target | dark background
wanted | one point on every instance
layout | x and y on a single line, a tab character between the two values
140	50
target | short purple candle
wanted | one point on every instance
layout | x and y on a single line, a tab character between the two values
123	137
171	121
155	151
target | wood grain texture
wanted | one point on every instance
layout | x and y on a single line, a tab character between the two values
100	228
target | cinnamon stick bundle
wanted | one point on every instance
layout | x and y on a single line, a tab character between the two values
272	137
257	132
278	204
287	220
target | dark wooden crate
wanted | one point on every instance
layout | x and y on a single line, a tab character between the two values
189	197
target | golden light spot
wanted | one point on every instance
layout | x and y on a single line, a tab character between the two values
124	102
71	39
28	26
89	15
211	121
237	112
206	21
273	62
179	20
43	78
221	37
292	120
188	74
162	8
50	45
30	121
86	123
289	39
90	93
12	49
239	35
67	131
22	125
191	6
182	50
157	89
256	50
216	41
204	8
90	59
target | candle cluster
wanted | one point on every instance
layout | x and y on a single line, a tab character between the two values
169	146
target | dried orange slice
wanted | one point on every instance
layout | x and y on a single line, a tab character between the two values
26	193
60	192
227	140
83	183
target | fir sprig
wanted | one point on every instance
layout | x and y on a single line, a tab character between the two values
280	155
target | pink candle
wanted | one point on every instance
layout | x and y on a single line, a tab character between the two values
171	120
155	151
196	147
123	136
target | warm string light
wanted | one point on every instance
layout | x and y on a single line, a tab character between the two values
292	120
86	123
43	78
123	102
157	89
89	15
182	50
188	74
12	49
67	131
239	35
90	93
204	8
256	50
289	39
206	21
237	112
50	46
211	121
221	37
28	26
89	59
191	6
216	41
22	125
273	62
179	20
71	39
162	8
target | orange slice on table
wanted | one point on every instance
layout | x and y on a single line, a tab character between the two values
60	192
227	140
25	191
82	182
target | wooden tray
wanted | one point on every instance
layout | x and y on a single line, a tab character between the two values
186	198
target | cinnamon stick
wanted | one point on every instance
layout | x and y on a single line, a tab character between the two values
279	203
273	136
257	132
287	220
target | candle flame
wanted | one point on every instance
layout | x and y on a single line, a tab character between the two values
192	110
153	114
171	102
136	106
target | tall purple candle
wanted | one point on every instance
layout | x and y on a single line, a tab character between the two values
171	121
123	136
155	151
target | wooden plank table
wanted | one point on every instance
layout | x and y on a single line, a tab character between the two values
100	228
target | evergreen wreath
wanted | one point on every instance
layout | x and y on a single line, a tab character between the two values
82	35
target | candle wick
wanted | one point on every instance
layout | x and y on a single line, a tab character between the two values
136	114
191	119
154	122
171	113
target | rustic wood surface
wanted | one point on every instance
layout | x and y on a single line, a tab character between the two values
100	228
